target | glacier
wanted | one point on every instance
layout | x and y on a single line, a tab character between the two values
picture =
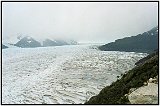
68	74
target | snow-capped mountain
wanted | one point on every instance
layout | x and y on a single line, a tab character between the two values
56	42
49	42
28	42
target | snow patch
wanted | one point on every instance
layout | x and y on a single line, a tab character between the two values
28	37
29	41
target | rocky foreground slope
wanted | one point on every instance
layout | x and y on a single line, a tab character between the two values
147	94
119	92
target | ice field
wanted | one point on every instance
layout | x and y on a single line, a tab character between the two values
60	75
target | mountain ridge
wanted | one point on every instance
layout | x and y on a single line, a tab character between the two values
145	42
29	42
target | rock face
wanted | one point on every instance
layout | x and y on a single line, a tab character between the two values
143	99
28	42
145	94
4	47
145	42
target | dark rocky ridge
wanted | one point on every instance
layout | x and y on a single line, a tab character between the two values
4	47
146	43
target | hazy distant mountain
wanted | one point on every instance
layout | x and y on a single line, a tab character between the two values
72	42
49	42
56	42
146	42
60	42
28	42
9	45
4	47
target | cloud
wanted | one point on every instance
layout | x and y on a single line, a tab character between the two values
81	21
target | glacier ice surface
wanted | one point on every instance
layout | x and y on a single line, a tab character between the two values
68	74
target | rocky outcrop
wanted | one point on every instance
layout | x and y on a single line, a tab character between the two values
4	47
147	94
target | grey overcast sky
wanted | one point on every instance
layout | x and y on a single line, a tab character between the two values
98	22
